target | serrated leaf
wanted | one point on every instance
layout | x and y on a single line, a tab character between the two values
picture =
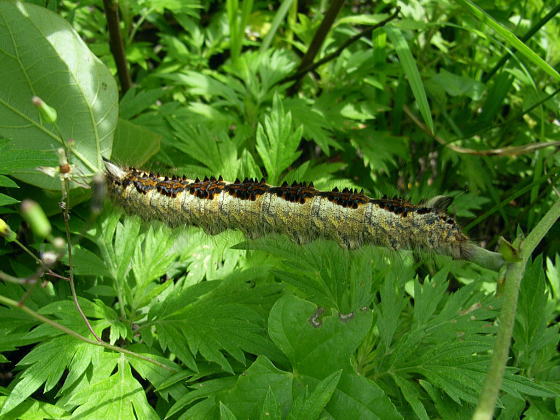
43	56
318	399
277	141
61	353
380	150
316	125
251	389
32	409
359	398
120	396
208	145
217	322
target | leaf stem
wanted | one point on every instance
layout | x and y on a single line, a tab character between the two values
54	324
514	275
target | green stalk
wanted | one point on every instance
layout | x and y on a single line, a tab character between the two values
513	277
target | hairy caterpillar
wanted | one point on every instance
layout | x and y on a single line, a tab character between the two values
299	210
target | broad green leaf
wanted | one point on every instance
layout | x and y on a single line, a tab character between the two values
43	56
321	271
306	334
510	38
270	410
411	71
134	144
25	160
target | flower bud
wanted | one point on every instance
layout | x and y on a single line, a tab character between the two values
47	112
34	215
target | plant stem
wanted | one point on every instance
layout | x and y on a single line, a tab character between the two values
116	44
513	277
66	216
317	41
54	324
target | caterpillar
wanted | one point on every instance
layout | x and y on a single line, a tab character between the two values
299	211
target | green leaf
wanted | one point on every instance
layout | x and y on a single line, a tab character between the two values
510	38
318	399
222	320
357	397
43	56
137	100
456	85
6	200
380	150
411	71
253	387
226	413
277	141
271	410
535	333
32	409
7	182
307	336
134	144
24	160
208	145
61	352
321	271
119	396
316	125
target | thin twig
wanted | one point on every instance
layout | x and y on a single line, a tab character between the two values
74	334
38	260
502	151
316	43
116	44
302	70
65	215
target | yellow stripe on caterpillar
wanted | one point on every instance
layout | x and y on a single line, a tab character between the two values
299	210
